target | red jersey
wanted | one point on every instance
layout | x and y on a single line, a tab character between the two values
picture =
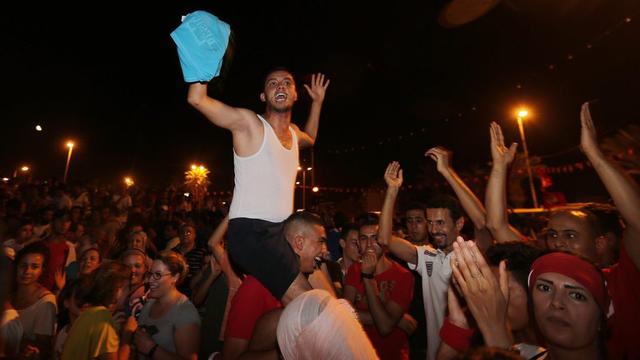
250	302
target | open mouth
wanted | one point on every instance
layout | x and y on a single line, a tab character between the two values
280	97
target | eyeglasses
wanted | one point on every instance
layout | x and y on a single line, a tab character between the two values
155	275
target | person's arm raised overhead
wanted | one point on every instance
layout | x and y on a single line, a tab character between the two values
220	114
496	196
469	201
623	190
316	90
398	246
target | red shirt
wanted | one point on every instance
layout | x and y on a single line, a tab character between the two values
623	283
250	302
395	284
58	252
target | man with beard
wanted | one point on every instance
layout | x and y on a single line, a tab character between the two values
265	157
432	262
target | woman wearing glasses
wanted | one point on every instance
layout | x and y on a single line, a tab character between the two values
169	324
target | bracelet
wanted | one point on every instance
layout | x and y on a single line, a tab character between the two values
364	275
152	351
455	336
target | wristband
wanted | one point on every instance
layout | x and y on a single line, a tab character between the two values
366	276
455	336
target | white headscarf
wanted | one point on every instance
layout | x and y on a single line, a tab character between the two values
316	325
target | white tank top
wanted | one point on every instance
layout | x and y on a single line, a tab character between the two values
264	181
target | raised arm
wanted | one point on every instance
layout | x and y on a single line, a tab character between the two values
496	196
219	252
227	117
398	246
316	90
469	201
623	190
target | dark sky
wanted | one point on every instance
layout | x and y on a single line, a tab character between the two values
108	76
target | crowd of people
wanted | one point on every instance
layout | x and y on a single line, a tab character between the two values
93	273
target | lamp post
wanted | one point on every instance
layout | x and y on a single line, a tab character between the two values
70	145
522	114
304	185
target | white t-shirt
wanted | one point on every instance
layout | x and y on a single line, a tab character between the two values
435	268
39	318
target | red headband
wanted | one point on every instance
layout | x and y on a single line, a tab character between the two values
581	271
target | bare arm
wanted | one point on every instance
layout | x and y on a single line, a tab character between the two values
319	279
398	246
201	283
496	197
385	316
317	92
221	255
220	114
623	190
469	201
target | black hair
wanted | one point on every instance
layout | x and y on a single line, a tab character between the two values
347	228
444	201
519	256
366	219
271	71
415	205
302	217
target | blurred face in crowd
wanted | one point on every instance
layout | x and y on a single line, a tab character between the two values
61	226
138	240
351	246
443	229
187	235
160	279
89	261
30	268
368	237
25	232
138	268
417	226
566	313
571	231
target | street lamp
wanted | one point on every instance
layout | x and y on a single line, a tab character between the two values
128	182
522	114
70	145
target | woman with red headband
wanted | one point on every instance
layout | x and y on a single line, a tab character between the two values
568	297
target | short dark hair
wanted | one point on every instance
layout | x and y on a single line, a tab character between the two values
444	201
368	218
102	285
415	205
306	218
519	256
347	228
274	69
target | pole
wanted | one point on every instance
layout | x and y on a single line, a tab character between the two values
304	189
66	168
526	157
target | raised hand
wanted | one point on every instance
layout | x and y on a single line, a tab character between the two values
441	156
393	175
486	296
588	136
499	152
318	87
60	278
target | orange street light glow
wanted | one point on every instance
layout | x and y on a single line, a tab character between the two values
70	144
24	168
315	189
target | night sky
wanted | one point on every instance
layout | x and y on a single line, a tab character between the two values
107	75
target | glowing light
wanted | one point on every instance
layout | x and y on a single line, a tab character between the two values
522	113
5	179
193	166
309	169
297	182
186	194
315	189
24	168
299	168
128	181
70	144
38	128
